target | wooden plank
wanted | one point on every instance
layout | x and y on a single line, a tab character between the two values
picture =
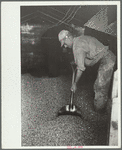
113	136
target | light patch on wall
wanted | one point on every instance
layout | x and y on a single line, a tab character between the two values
26	28
112	29
99	21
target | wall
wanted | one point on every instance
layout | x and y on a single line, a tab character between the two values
31	54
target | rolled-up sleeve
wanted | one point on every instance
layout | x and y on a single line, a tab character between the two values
79	56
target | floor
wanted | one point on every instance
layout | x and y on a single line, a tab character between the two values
42	98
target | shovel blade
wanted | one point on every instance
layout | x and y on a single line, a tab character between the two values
67	110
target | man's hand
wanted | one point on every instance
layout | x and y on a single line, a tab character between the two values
74	87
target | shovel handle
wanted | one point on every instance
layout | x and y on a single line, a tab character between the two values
71	99
73	65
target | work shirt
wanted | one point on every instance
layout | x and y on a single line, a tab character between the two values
87	51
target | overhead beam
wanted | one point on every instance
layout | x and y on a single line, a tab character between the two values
28	15
53	18
64	13
36	17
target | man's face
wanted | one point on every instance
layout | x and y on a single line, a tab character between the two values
67	42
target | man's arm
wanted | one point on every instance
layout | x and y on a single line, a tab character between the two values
79	56
78	75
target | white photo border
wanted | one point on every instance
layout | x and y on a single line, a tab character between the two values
11	69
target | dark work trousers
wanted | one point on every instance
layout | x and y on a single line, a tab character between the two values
102	83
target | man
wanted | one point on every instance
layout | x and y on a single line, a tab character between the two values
88	51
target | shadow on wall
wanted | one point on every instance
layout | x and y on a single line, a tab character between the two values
105	38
